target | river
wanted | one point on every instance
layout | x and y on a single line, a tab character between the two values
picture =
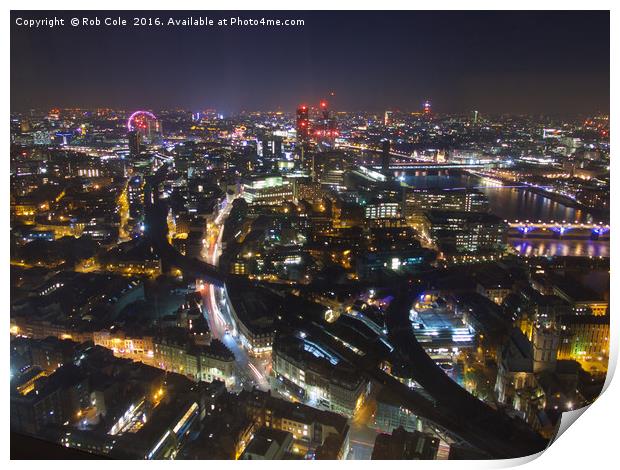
517	203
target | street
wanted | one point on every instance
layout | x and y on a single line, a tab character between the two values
250	371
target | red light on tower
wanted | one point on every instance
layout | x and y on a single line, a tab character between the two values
303	122
427	107
323	104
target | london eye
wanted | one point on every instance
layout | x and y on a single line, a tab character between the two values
139	121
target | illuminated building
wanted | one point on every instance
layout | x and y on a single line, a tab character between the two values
303	124
516	384
391	414
383	213
28	385
427	108
309	426
467	231
312	192
465	200
23	210
173	352
438	331
387	118
583	336
39	328
382	210
42	138
494	289
239	267
268	190
135	257
583	300
269	147
139	348
328	168
324	130
254	315
85	441
317	375
89	172
333	178
176	421
136	267
268	444
369	175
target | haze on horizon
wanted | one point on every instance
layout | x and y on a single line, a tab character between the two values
495	62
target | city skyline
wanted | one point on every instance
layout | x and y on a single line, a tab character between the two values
517	63
420	279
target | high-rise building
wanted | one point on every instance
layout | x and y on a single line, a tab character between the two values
325	129
269	146
303	124
387	118
385	157
134	143
427	108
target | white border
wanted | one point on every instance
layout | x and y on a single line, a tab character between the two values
592	443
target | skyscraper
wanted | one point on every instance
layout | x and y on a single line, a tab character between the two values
134	143
387	118
385	157
427	108
303	124
325	128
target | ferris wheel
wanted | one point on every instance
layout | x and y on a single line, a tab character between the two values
139	121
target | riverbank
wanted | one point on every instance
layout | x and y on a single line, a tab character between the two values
599	214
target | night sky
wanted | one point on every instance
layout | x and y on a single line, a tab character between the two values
504	62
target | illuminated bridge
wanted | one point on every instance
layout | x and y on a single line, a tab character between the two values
370	148
415	164
558	229
436	166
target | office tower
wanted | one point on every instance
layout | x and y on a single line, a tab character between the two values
303	124
387	118
134	143
427	108
385	157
